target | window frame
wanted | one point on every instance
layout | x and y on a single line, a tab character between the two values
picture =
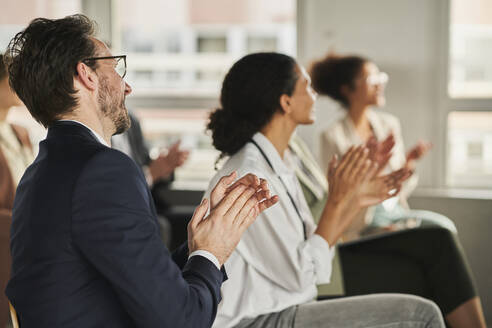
448	104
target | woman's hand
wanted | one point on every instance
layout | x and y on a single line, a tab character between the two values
354	184
381	152
416	153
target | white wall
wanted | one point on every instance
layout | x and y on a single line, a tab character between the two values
404	38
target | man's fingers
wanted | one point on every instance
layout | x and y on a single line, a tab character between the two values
248	208
247	180
199	213
221	187
228	200
240	202
267	203
262	194
257	210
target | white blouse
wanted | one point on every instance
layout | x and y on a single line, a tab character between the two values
273	266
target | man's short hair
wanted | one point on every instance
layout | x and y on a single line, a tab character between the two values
42	61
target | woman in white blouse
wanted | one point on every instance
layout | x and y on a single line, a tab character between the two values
274	271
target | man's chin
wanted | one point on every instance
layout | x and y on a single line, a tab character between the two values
123	123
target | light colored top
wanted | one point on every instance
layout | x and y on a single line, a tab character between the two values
315	189
313	181
273	266
209	256
338	138
18	157
121	143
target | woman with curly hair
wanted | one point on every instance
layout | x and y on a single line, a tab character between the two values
358	86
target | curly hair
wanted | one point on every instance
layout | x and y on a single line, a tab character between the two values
249	98
41	62
330	73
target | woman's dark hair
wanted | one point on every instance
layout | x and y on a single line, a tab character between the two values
329	74
42	60
250	97
3	68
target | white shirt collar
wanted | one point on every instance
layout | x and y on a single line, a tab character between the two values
98	137
279	166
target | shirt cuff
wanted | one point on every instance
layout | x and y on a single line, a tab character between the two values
322	256
206	254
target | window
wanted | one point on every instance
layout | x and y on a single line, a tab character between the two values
469	105
470	49
470	149
197	40
178	53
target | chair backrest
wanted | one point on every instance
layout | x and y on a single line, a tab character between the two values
5	262
13	316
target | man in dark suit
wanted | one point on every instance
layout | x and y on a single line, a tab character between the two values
85	245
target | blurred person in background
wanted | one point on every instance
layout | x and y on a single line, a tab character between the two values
358	85
15	156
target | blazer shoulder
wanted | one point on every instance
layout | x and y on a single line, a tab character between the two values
112	160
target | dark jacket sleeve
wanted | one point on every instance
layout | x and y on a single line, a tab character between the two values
115	229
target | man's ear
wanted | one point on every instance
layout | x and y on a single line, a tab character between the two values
86	76
285	104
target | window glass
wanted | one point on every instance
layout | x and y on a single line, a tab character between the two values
470	149
470	73
185	47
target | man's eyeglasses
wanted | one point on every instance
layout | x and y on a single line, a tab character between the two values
120	66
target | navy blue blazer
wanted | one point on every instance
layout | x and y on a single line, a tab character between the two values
85	246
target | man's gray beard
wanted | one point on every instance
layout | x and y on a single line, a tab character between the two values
122	121
117	113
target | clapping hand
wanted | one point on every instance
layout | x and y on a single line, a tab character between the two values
164	165
233	208
381	152
356	178
416	153
354	183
